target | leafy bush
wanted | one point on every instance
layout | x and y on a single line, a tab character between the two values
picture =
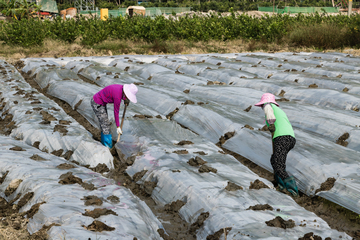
24	32
94	31
66	30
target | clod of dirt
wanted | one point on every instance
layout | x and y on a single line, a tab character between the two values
57	152
197	161
138	83
188	102
88	186
142	116
65	166
47	116
226	137
184	142
199	222
205	168
282	93
345	89
97	212
327	185
186	91
33	210
311	236
257	184
137	176
183	151
56	109
37	109
69	178
261	207
14	184
200	103
78	104
25	199
45	122
113	199
97	226
313	85
339	76
170	115
178	72
248	108
17	148
101	168
2	178
280	223
341	140
68	154
217	235
64	122
201	153
248	126
92	200
28	112
233	187
61	129
158	116
174	207
37	158
149	187
19	64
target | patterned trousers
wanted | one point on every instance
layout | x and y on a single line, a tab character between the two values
282	146
101	114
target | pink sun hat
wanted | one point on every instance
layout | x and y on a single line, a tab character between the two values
267	98
130	91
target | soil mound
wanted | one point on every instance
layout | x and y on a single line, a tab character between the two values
282	93
37	158
174	206
61	129
170	115
16	148
233	187
101	168
327	185
142	116
97	226
248	126
2	178
341	140
92	200
137	176
97	212
184	142
217	235
199	222
88	186
205	168
280	223
313	85
188	102
68	154
113	199
248	108
226	137
183	151
261	207
47	116
149	187
311	236
69	178
186	91
197	161
14	184
257	184
25	199
33	210
57	152
65	166
201	153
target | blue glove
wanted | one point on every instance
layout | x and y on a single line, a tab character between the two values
106	140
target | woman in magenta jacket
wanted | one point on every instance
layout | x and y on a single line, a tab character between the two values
111	94
283	138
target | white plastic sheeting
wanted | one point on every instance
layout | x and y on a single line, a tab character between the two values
64	204
30	129
319	115
205	192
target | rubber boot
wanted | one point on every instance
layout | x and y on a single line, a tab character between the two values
280	182
106	140
291	187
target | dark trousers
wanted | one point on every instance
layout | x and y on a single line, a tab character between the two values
282	146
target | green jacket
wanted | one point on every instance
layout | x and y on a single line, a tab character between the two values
282	125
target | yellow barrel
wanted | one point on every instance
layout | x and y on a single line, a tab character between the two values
104	14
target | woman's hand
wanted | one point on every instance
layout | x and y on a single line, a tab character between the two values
119	131
127	101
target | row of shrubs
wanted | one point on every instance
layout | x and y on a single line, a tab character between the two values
311	30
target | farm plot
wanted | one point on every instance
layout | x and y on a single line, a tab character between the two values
212	97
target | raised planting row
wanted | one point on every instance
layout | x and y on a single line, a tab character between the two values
40	122
170	176
71	201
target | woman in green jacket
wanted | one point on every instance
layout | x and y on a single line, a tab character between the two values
283	138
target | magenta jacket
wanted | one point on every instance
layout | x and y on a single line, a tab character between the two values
111	94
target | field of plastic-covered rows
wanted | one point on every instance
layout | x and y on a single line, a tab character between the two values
188	106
